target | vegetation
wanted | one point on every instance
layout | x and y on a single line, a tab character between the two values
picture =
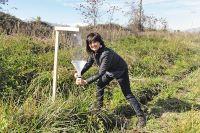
164	73
10	25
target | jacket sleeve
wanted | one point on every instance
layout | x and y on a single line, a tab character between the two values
105	65
89	63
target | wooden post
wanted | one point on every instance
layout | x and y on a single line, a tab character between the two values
55	66
57	29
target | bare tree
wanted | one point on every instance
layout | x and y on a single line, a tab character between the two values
150	22
3	2
154	23
140	16
91	10
137	16
164	24
112	10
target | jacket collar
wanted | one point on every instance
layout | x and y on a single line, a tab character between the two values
100	50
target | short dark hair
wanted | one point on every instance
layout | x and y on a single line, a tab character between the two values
93	37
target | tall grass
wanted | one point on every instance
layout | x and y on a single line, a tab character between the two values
161	68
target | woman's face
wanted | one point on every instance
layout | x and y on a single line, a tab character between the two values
94	46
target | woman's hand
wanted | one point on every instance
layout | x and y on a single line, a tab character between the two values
76	75
80	81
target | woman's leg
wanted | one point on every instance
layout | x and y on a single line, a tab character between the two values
102	82
125	87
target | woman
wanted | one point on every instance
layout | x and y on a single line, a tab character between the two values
111	66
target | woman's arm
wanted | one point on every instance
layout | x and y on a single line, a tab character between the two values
105	65
89	63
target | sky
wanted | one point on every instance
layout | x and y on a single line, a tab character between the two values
180	14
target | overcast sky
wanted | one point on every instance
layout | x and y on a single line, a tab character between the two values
180	14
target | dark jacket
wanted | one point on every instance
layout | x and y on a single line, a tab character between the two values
109	63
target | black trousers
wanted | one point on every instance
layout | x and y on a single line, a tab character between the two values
124	83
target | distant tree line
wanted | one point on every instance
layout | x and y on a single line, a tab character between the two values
12	25
92	11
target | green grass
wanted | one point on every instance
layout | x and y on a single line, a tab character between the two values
164	73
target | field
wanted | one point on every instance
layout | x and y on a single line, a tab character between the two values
164	70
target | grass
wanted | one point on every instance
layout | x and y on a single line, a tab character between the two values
164	73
